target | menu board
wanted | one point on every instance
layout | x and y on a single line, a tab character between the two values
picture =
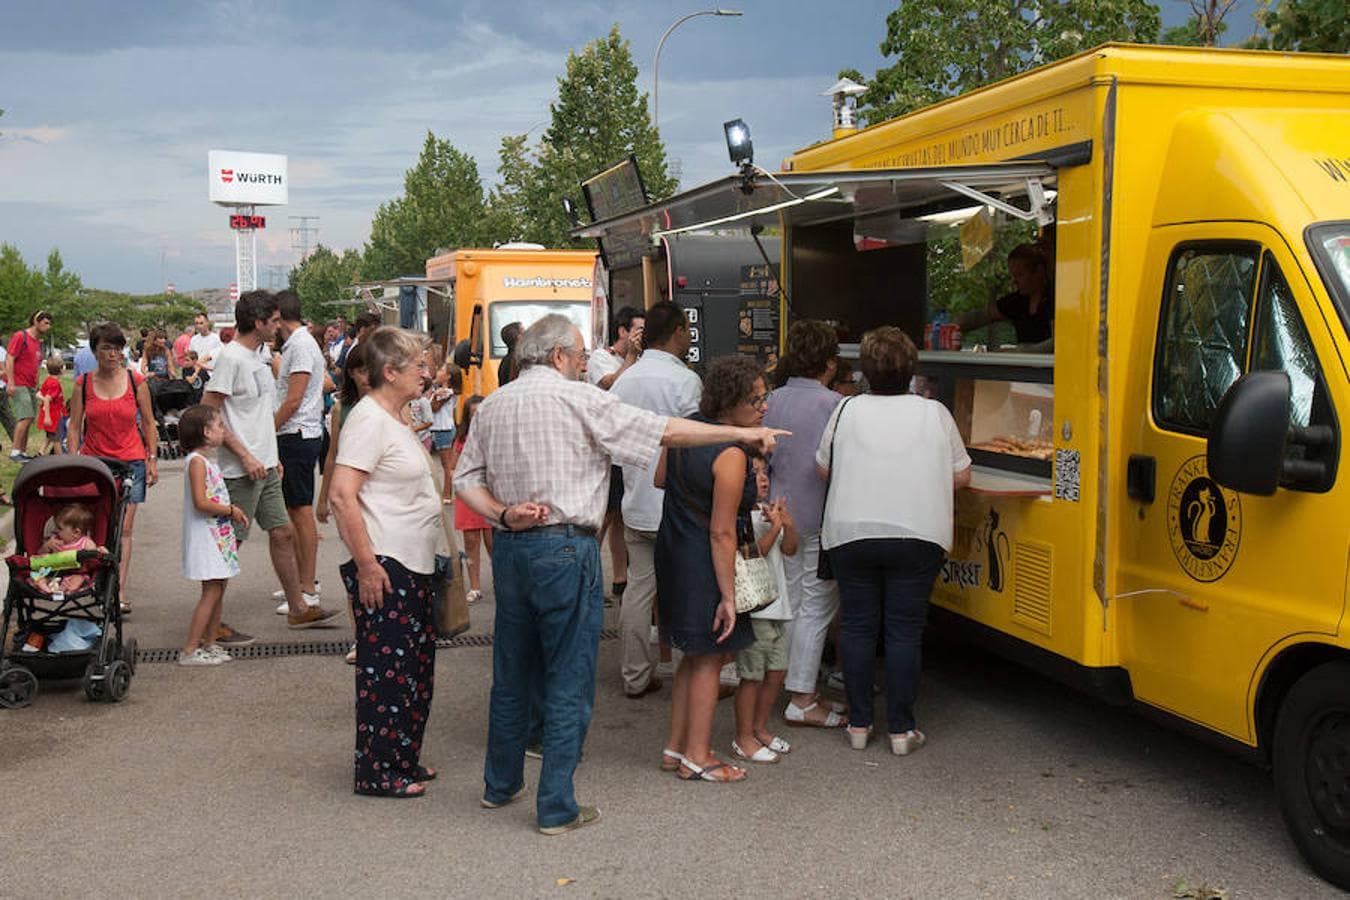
614	192
757	319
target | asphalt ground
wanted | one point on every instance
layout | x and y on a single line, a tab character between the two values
236	781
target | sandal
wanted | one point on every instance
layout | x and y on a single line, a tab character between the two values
406	791
351	657
778	745
424	773
124	608
797	716
670	760
718	771
762	755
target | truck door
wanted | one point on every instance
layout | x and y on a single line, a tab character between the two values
1210	580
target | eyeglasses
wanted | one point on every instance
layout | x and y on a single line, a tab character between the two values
759	400
109	348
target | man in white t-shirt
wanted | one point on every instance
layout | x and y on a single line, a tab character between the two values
205	343
243	389
299	426
606	364
659	382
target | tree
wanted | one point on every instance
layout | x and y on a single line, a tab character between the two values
1311	26
21	289
946	47
442	206
598	119
324	277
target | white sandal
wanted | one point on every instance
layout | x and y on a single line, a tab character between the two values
670	760
796	715
778	745
762	755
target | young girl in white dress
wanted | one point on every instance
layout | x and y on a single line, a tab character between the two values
210	550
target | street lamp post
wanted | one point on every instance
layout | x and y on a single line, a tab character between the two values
656	63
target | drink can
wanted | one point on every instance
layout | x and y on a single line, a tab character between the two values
945	337
957	339
928	336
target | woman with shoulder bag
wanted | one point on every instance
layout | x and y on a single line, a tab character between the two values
709	494
894	460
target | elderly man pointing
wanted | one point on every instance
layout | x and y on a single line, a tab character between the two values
537	466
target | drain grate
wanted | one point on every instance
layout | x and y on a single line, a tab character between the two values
325	648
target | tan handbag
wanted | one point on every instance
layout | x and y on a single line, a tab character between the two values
452	608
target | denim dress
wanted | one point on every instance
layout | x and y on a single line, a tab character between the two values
685	579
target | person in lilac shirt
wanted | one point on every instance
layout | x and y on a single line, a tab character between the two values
802	403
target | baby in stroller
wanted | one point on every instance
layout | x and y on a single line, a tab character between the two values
71	526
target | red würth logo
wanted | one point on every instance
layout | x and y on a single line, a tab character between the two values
227	175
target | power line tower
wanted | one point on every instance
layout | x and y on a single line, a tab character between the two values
300	234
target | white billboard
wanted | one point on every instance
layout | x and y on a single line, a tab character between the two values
237	178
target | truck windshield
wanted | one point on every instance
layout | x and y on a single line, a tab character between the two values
527	312
1330	246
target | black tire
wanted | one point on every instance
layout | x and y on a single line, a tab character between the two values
93	687
18	687
1311	757
117	681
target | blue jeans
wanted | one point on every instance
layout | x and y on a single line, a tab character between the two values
550	607
890	579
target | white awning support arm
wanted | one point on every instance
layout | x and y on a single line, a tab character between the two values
1040	211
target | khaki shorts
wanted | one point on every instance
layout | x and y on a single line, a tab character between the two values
260	500
23	403
769	652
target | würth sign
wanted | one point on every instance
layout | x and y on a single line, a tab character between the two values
247	179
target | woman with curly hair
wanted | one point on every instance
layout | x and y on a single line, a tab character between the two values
709	493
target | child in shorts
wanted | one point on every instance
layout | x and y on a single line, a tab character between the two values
763	665
449	382
52	407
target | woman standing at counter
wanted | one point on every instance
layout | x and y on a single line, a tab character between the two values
887	527
1030	308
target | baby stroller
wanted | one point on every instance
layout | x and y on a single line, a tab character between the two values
107	664
169	397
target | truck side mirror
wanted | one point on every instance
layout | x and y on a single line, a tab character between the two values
1246	442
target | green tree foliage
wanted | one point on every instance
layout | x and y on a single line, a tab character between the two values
324	277
599	118
1311	26
22	289
75	308
442	206
946	47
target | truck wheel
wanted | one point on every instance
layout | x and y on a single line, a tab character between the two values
1312	769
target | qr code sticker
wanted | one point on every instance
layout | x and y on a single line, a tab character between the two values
1066	475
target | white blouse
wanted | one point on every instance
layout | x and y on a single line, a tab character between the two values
893	468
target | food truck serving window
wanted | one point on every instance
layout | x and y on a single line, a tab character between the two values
503	312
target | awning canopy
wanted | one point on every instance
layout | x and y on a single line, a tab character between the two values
816	198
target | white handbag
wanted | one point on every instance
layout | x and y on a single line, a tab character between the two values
756	587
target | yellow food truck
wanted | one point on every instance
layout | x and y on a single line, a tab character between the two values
487	289
1158	512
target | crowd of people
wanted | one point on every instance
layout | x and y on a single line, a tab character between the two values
689	479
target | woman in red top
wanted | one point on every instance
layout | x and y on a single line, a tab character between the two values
104	422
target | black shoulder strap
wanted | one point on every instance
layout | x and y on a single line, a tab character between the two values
829	475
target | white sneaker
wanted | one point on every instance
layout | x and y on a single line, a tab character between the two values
284	608
473	596
219	653
199	657
281	594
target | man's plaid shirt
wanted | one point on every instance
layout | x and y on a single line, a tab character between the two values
546	439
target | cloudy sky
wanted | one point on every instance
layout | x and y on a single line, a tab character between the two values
111	108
